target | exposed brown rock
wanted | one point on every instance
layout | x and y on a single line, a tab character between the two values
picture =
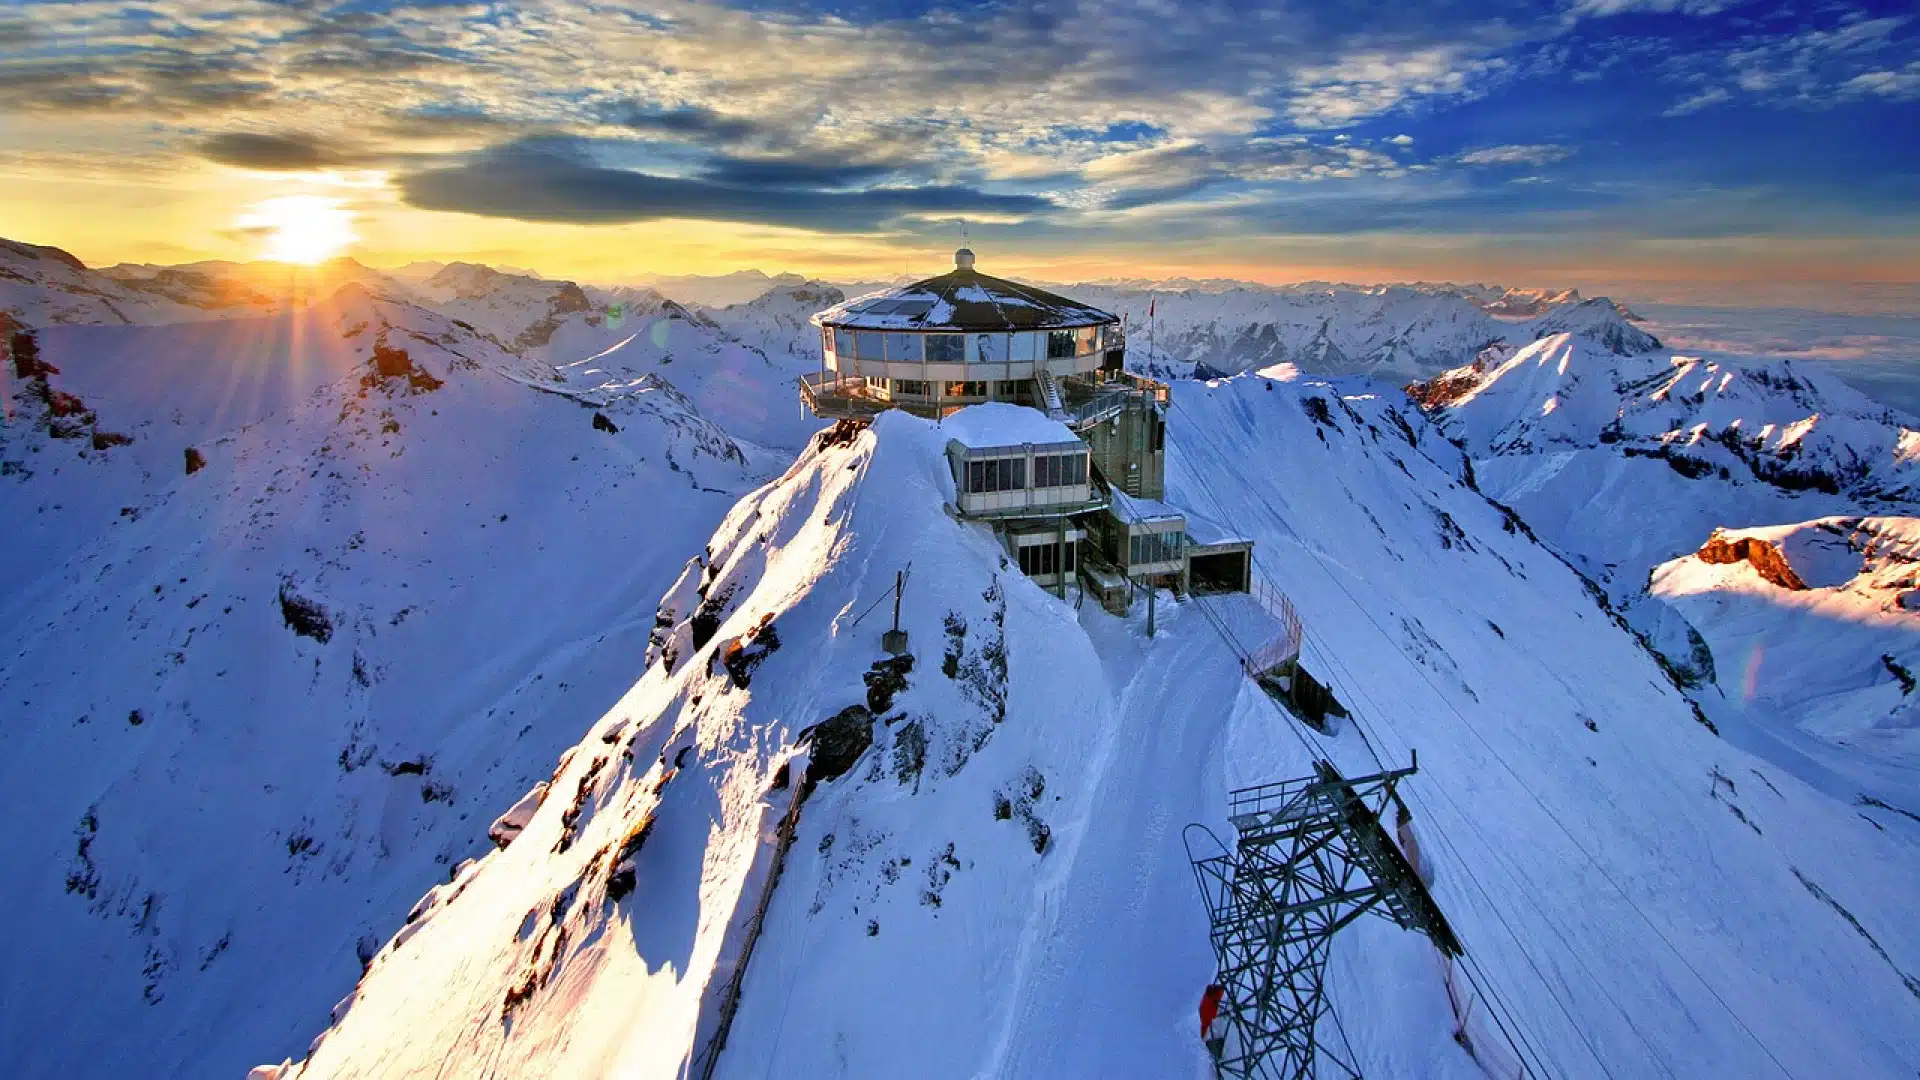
1767	560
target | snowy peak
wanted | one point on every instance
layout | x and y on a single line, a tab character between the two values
1769	422
1600	321
1528	303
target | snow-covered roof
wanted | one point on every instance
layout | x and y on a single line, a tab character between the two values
1135	511
964	299
1205	532
997	423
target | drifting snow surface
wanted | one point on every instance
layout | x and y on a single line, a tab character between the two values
997	886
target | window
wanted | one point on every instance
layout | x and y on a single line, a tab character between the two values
870	346
1007	391
966	389
1059	344
946	348
989	348
1026	347
997	474
903	348
1086	340
911	387
826	339
1154	547
1059	470
1039	559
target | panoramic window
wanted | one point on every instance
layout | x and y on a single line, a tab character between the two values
1086	340
870	346
1059	344
946	348
989	348
1059	470
910	387
1048	559
1026	347
1154	547
903	348
970	388
996	474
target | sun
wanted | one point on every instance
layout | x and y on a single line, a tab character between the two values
304	229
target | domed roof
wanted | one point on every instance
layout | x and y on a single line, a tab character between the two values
963	300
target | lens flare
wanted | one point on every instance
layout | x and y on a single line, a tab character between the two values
305	229
1750	679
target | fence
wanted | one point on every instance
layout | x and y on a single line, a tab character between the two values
1284	646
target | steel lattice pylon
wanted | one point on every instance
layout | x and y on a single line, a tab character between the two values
1309	857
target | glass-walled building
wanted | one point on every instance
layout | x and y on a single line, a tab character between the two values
955	340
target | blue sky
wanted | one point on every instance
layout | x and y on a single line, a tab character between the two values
1711	132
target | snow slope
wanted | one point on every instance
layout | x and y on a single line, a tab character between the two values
1828	646
603	341
996	886
1629	465
254	716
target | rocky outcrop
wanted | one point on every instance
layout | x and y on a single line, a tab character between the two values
1767	560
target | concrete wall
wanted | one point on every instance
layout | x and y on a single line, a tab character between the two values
1135	438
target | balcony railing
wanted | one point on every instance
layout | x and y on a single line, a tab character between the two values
840	396
1090	402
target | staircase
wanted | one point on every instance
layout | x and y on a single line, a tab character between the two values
1050	394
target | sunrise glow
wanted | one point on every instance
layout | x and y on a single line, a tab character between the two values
304	229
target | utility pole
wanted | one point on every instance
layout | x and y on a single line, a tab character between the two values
895	640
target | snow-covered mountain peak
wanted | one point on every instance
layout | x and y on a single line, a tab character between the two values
1772	423
1600	321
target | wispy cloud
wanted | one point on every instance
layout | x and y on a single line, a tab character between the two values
1534	154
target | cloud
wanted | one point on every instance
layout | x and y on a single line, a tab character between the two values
792	173
1604	8
1901	85
1370	83
1401	140
1703	99
288	153
1812	67
1534	154
560	182
686	120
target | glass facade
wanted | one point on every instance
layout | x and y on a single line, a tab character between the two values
1059	470
987	348
997	474
1047	558
944	348
1155	547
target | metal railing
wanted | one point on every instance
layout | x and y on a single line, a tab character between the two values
1283	647
839	395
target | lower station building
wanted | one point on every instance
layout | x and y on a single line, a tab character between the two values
1052	441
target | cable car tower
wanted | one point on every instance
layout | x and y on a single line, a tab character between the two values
1309	857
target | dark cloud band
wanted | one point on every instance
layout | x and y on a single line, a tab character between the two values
552	184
